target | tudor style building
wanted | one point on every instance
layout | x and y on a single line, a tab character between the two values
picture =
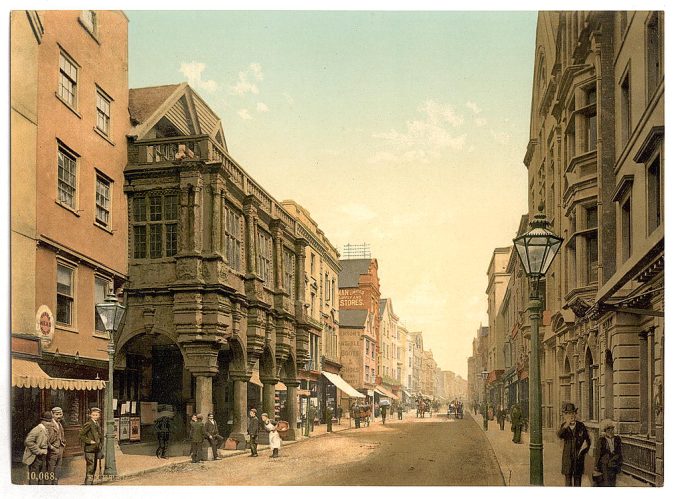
216	273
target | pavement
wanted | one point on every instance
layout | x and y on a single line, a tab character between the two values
514	459
140	458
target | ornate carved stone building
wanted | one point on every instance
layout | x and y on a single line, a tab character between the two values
216	272
595	159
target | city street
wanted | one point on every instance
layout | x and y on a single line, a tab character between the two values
430	451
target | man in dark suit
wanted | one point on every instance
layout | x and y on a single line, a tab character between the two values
91	438
196	435
576	445
212	434
57	443
253	431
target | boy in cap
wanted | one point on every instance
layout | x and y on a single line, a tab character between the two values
91	438
57	443
35	451
576	445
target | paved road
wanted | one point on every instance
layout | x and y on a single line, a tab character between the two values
409	452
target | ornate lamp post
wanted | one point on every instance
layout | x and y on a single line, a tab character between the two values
485	416
111	313
536	249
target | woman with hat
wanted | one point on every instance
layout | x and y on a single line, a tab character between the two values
608	457
576	445
274	438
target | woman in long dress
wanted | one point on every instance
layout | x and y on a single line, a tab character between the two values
274	437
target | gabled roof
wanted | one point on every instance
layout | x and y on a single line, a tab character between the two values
351	270
177	108
353	318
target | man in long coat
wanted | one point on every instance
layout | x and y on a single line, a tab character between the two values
91	438
196	436
516	423
576	445
57	443
253	431
212	434
35	451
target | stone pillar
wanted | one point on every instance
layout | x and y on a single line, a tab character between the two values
268	392
184	221
300	245
292	408
216	221
276	230
204	398
250	211
240	425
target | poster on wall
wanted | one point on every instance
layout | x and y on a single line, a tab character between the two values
135	429
116	428
148	411
124	428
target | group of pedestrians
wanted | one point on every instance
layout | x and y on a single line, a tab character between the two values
455	409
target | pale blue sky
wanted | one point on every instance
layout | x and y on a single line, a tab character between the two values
405	130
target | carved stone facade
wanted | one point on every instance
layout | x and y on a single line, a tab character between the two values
216	270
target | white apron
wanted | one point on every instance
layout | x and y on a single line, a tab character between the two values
274	438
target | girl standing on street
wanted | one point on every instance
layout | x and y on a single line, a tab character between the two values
274	437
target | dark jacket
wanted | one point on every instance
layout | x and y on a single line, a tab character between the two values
515	417
197	432
211	429
572	456
89	432
605	459
253	425
57	441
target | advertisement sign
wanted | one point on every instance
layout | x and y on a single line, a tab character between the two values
44	325
124	428
135	429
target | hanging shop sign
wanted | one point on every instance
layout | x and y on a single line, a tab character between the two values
44	325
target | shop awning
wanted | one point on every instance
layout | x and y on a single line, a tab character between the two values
406	392
342	385
28	374
384	391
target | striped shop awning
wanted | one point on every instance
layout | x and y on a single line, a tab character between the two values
28	374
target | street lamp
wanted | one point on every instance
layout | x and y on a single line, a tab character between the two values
536	249
485	416
110	312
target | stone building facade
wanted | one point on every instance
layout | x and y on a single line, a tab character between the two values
497	283
322	305
595	159
69	119
216	273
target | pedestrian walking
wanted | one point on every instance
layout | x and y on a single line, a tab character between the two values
56	446
500	417
274	437
36	446
253	431
608	457
329	419
383	413
91	438
311	414
576	445
162	426
212	435
516	423
400	412
355	413
196	436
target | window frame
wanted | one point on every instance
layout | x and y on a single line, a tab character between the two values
104	97
109	287
70	154
658	187
100	177
70	297
233	237
68	96
626	107
164	226
626	225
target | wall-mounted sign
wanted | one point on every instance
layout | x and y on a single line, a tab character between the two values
44	325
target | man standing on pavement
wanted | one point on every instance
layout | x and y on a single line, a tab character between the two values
312	416
35	451
500	417
383	413
329	419
356	414
253	431
516	423
196	435
576	445
57	443
212	434
400	411
91	438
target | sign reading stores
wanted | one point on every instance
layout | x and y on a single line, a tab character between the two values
44	325
351	297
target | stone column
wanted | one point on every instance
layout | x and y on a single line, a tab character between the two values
250	211
268	392
276	230
216	242
300	245
292	408
184	221
204	403
240	425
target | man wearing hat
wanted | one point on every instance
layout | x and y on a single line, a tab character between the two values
196	435
576	445
91	438
57	443
253	431
212	433
608	457
35	451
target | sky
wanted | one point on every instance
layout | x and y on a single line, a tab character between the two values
404	130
